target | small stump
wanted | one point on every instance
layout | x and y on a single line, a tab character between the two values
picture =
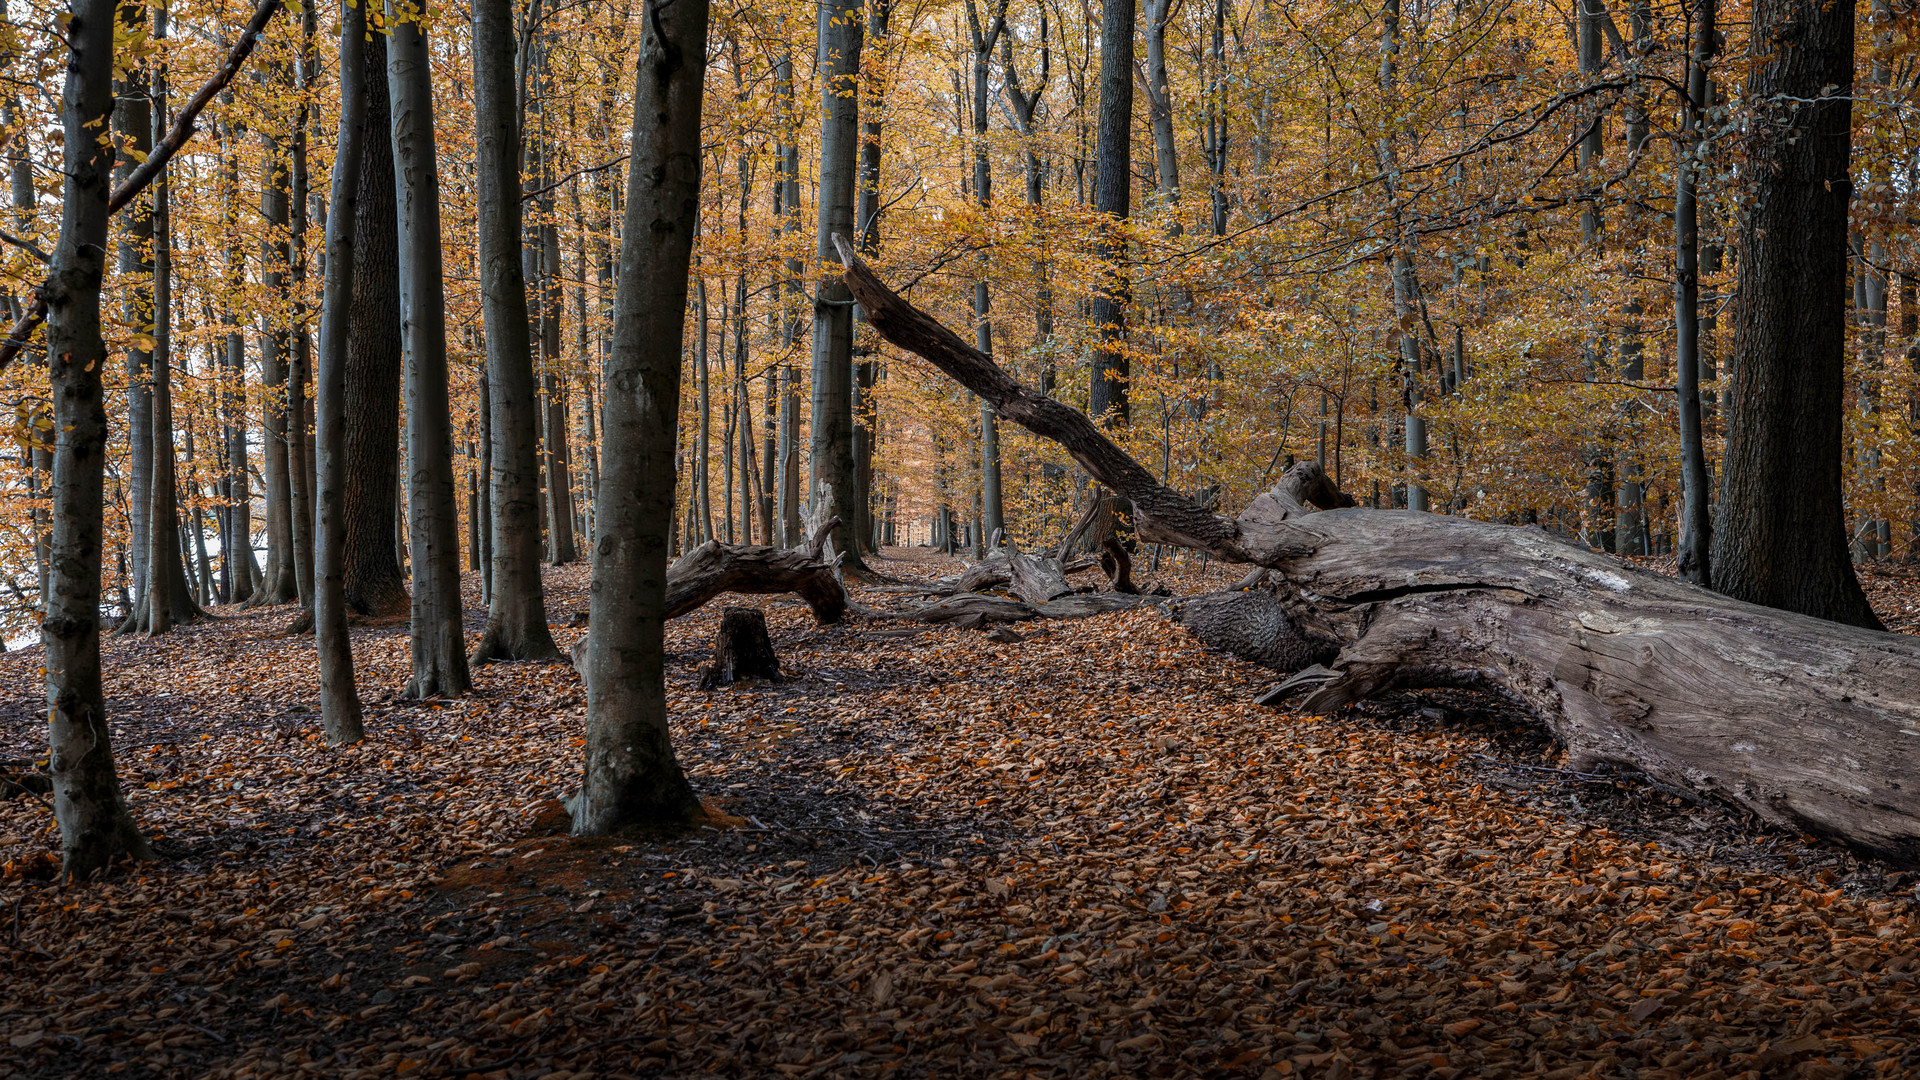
743	652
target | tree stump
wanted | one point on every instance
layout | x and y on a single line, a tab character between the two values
743	652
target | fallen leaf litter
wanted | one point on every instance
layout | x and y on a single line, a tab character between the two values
1085	853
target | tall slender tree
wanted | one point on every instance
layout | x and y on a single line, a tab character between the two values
339	697
840	34
516	626
631	775
439	650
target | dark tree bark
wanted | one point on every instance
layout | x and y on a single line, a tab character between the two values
375	582
787	209
516	609
742	651
1112	199
133	122
439	649
236	553
1696	525
840	35
95	823
1800	721
632	776
280	584
867	211
992	506
173	603
339	698
1779	537
299	443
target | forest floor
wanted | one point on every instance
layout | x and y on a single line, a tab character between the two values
1085	853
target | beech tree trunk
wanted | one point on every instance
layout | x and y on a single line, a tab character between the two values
840	37
1112	199
339	698
1780	536
299	444
95	823
1803	722
133	122
279	584
516	626
632	776
375	582
439	649
173	602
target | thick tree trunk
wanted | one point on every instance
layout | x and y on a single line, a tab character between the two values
95	824
1802	722
516	611
339	698
375	581
840	34
1780	535
632	776
439	649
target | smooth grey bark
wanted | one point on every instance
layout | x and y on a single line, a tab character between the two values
702	503
1779	537
867	211
1166	170
299	367
1696	522
840	35
631	774
1024	105
243	571
95	823
1112	200
439	649
787	209
133	122
279	584
516	626
339	698
984	40
173	603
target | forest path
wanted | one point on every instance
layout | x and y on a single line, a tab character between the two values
1082	854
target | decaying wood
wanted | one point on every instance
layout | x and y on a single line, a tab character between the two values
981	609
714	568
743	651
1808	724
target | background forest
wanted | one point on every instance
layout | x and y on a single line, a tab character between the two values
1430	245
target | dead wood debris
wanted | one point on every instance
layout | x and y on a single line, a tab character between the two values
1090	855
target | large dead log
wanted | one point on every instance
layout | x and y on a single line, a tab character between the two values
1807	724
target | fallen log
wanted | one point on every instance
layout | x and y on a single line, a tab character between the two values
1807	724
714	568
